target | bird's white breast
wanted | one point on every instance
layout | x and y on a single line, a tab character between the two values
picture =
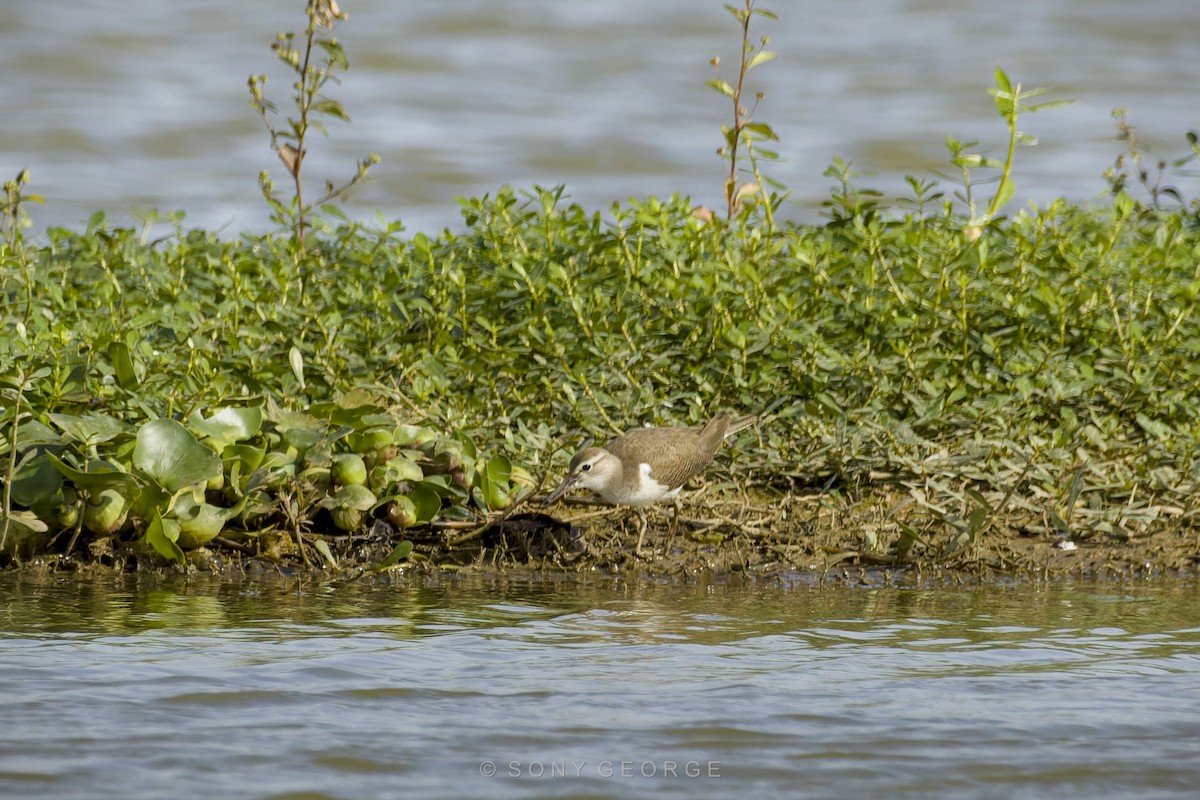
642	493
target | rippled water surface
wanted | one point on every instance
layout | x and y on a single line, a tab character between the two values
265	688
142	104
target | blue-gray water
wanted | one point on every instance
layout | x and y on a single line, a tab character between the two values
141	104
264	688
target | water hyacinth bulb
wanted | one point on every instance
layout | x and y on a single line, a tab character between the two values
348	469
402	512
199	522
370	441
105	512
59	510
349	506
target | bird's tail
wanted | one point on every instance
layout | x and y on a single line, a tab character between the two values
726	421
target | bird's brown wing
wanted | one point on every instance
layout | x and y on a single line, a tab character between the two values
677	452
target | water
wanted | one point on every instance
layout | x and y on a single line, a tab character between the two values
264	688
139	104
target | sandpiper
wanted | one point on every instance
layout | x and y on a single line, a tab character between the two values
649	465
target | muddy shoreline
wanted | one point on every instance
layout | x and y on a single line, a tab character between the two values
792	538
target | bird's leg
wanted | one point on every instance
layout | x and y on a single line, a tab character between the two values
674	524
641	515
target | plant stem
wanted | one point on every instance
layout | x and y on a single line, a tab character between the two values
1008	160
12	464
303	100
738	113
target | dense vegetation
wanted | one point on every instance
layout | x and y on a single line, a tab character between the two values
969	374
1050	365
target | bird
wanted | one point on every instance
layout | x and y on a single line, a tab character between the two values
649	465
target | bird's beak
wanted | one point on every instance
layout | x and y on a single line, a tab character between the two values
567	483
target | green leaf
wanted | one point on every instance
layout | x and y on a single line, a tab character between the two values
1004	105
762	129
1002	81
33	433
401	469
426	500
247	456
23	523
337	55
118	353
89	429
1004	195
761	57
296	360
100	477
35	479
1050	104
323	548
358	416
976	520
332	108
228	425
498	469
171	456
493	481
399	553
161	534
199	522
357	498
1074	489
74	388
721	86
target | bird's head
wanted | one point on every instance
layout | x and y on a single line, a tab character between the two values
593	468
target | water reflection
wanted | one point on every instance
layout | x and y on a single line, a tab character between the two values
564	607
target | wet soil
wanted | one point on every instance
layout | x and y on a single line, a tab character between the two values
878	537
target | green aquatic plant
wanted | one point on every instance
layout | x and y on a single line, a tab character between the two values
847	201
14	218
1011	102
747	133
885	359
1136	157
315	61
247	475
13	391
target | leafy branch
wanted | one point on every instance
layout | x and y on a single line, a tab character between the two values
1011	102
13	217
14	391
745	131
1151	179
315	63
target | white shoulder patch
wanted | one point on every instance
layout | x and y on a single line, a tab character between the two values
648	490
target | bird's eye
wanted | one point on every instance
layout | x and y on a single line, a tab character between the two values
585	468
